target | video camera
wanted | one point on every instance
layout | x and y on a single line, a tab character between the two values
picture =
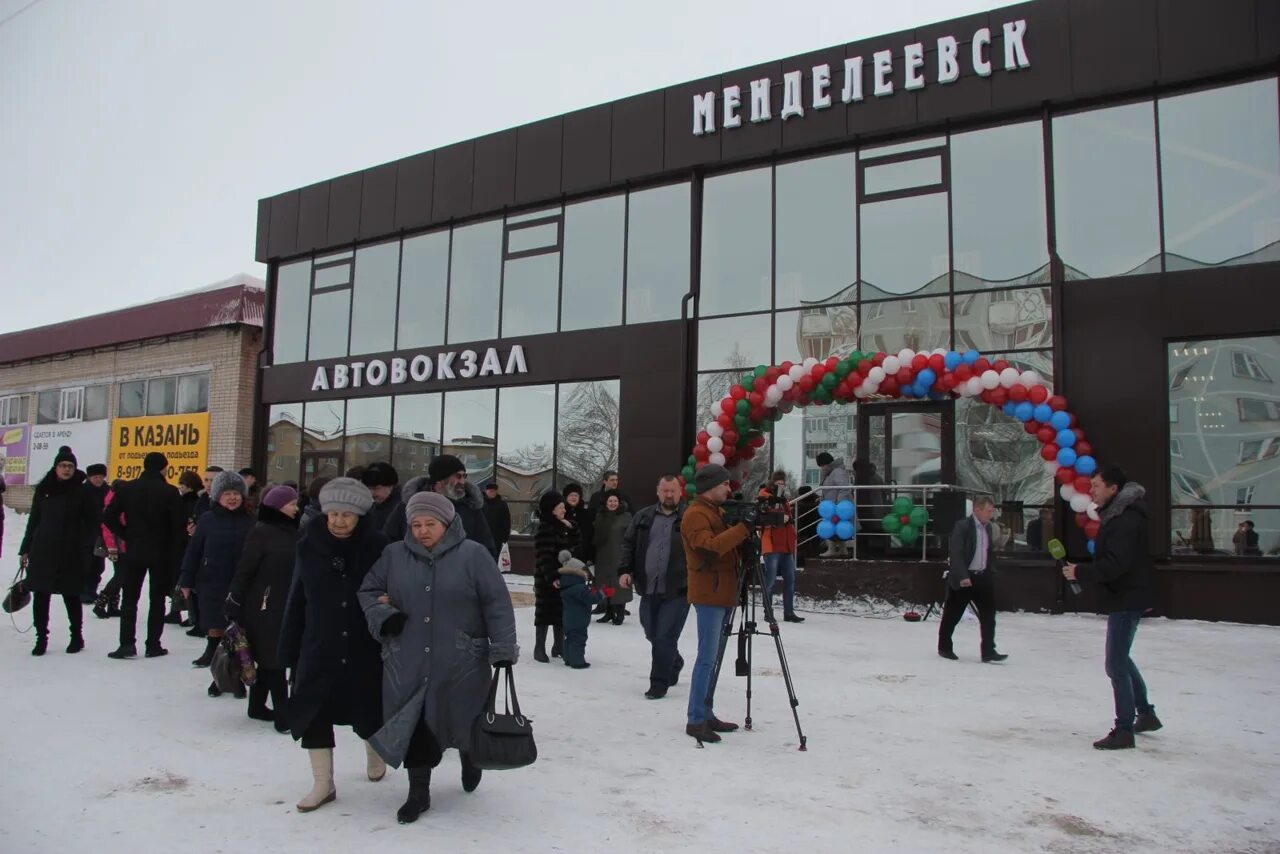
767	511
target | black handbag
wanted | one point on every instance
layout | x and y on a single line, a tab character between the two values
18	596
502	741
225	668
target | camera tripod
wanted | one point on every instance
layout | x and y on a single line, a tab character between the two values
748	628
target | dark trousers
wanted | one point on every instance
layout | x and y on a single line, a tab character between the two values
111	590
97	566
135	572
1126	682
663	620
424	751
575	646
40	612
271	683
983	595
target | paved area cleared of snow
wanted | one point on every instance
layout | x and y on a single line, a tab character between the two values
907	751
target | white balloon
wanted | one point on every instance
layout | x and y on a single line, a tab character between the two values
939	351
716	459
1009	377
876	375
1093	512
772	395
809	364
796	372
861	391
891	364
715	444
973	386
1050	468
1030	379
713	428
1067	491
905	355
785	382
990	379
1080	502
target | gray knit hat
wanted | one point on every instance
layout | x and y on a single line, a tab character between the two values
345	494
709	477
227	481
568	560
431	504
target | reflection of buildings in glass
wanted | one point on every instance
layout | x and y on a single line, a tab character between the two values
917	448
476	453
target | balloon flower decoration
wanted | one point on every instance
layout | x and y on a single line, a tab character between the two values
836	520
905	520
763	396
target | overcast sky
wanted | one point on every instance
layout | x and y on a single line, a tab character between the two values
136	136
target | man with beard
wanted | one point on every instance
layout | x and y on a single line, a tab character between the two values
447	475
653	562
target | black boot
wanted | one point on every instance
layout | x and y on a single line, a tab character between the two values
608	615
1147	722
540	645
100	605
419	800
76	643
619	614
557	641
124	651
214	690
42	644
210	647
470	773
1117	739
258	702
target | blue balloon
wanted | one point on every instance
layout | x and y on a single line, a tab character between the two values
844	530
1066	457
1086	465
937	395
1023	411
926	377
1066	439
971	356
1043	413
1009	408
827	509
909	391
845	510
826	530
952	360
1092	545
1060	420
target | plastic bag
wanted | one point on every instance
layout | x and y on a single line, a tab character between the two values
504	558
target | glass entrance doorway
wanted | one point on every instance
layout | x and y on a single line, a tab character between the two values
909	443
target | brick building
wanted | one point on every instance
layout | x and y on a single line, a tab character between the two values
175	375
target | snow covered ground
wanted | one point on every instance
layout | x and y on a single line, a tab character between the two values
907	751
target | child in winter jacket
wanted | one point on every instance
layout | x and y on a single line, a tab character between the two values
578	597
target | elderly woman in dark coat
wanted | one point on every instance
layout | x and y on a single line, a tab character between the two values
611	521
555	534
337	667
212	557
54	549
438	605
257	598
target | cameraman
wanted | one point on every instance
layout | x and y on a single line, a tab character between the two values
778	545
711	553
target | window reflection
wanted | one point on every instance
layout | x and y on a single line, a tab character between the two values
998	207
1004	320
469	423
736	242
416	434
368	431
593	255
526	446
902	175
734	342
817	230
921	323
424	285
1220	168
904	246
587	433
474	282
1104	179
330	312
657	253
1245	532
322	433
530	295
284	442
816	332
373	307
292	301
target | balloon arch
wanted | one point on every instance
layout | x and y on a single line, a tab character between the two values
764	395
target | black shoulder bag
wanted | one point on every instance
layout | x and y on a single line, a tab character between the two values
502	741
18	596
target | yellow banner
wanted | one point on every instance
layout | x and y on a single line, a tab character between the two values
183	439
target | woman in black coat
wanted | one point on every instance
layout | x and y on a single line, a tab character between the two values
212	557
555	533
257	598
337	665
55	548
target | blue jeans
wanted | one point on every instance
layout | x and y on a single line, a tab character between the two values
1126	682
710	626
784	563
663	620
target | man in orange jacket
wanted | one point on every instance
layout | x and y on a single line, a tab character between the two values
711	553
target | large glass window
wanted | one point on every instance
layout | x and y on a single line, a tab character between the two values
904	246
998	207
992	321
469	423
817	230
594	234
737	257
526	448
657	253
1220	172
330	316
133	399
531	280
162	396
13	409
587	432
424	287
193	393
292	301
816	332
49	407
417	434
1225	477
474	282
921	323
733	342
322	433
368	431
1104	184
284	442
373	307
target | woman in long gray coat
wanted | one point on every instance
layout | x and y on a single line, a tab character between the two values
438	605
611	524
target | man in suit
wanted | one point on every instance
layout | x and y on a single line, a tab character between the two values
969	580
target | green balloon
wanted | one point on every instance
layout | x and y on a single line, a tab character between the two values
741	422
761	370
777	415
690	490
908	535
692	461
919	516
743	407
843	368
748	382
902	505
891	523
688	472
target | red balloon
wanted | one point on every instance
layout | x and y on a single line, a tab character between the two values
758	442
729	406
1000	395
806	383
747	453
818	372
1031	427
757	413
725	420
1079	435
802	399
1038	394
889	386
981	366
1083	449
737	392
771	374
938	363
985	395
1049	452
730	437
865	366
1073	418
904	376
1017	393
999	365
906	520
1081	483
1065	475
785	367
701	453
760	384
697	466
854	379
831	363
1082	519
756	399
878	358
1057	403
703	436
1091	529
963	372
919	362
1046	435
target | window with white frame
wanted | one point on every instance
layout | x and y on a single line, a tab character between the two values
13	409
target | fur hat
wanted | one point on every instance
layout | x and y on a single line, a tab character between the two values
824	459
379	474
227	481
345	494
443	466
96	468
709	477
431	504
548	503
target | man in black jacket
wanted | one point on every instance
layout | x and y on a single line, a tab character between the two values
653	562
969	579
1125	576
447	475
96	485
383	482
148	515
497	514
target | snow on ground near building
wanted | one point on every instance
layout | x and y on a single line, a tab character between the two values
907	751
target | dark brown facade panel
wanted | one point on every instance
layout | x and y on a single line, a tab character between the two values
655	346
415	187
644	459
754	139
344	209
262	249
538	161
875	115
313	217
378	201
637	137
1048	43
651	407
681	149
817	126
1268	31
1114	46
1199	38
967	97
451	198
283	239
494	172
588	147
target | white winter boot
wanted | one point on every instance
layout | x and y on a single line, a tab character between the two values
374	765
322	773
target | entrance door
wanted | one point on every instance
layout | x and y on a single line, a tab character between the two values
319	464
909	443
